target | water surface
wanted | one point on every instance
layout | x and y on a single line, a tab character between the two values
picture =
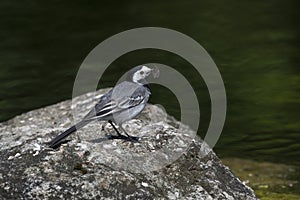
255	44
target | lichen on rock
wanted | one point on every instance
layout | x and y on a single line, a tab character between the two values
168	162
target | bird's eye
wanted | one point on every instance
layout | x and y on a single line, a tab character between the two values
141	72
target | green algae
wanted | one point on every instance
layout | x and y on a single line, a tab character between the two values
268	180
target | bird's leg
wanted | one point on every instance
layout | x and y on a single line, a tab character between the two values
124	131
131	138
120	136
111	123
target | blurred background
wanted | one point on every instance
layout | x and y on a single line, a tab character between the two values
255	44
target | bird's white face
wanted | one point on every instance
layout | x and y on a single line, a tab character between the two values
141	74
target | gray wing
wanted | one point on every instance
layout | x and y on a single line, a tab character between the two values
103	101
118	100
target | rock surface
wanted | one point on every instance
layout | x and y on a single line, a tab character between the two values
169	162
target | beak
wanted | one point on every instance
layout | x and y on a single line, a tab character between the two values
155	72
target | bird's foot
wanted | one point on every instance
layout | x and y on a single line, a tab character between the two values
123	137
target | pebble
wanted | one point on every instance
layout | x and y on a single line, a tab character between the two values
145	184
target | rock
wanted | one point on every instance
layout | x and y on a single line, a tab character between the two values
169	162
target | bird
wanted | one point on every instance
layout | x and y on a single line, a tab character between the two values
122	103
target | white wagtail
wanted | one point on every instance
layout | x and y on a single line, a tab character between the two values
122	103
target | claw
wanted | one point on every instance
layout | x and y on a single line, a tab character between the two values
122	137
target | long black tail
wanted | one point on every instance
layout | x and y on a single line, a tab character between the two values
60	138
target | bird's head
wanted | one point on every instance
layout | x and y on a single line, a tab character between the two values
140	73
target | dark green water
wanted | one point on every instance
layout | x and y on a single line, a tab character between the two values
255	44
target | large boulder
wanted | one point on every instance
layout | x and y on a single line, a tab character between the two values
168	162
